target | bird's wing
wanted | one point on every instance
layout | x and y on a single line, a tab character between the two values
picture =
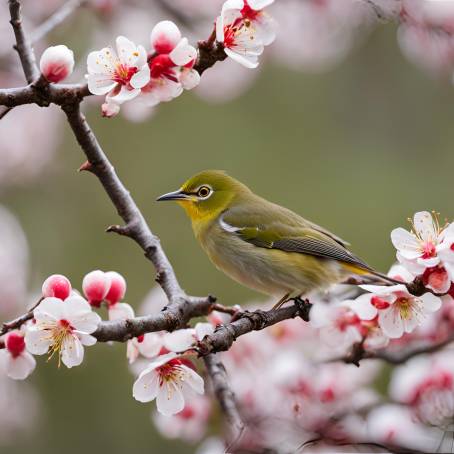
261	230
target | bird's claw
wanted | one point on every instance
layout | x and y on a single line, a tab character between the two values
304	307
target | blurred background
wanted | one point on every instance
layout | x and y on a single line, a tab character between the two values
356	136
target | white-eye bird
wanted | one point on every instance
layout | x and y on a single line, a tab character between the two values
260	244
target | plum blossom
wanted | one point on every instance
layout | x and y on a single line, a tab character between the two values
393	425
418	248
182	339
171	64
95	286
56	63
119	74
57	286
426	384
338	325
149	345
62	328
168	379
16	361
189	424
240	38
117	287
398	311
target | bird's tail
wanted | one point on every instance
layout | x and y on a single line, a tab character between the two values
370	271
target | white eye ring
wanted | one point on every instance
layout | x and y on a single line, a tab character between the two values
204	192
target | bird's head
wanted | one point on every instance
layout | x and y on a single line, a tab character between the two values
207	194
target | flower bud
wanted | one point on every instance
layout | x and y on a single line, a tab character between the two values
57	63
117	288
110	109
57	286
15	343
95	286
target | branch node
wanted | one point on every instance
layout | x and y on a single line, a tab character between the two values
124	230
86	166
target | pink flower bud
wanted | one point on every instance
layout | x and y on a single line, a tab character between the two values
15	343
109	109
57	286
57	63
117	288
95	286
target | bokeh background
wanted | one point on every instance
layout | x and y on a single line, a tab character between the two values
357	147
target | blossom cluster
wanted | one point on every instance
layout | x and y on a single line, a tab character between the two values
62	322
162	72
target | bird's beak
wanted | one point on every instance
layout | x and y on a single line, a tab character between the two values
175	195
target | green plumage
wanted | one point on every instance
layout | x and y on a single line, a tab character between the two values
260	244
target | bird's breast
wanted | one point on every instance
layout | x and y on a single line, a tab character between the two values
268	271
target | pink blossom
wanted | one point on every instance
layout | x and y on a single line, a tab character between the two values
171	64
398	311
14	358
95	286
117	287
58	286
240	38
168	380
189	424
62	328
56	63
119	74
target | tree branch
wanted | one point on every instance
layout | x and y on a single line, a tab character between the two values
174	316
224	335
23	46
224	394
358	353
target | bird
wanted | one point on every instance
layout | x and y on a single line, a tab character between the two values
260	244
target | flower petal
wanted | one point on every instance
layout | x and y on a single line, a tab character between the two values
391	323
102	61
180	340
37	341
49	310
21	367
193	379
128	52
363	307
99	84
125	94
164	37
259	4
248	61
183	53
425	227
72	351
203	329
140	78
120	311
431	302
146	387
190	78
406	243
86	339
169	400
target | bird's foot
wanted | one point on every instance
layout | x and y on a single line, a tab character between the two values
304	307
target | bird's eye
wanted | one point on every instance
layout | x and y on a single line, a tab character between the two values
204	192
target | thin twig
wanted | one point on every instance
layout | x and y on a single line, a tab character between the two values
19	321
358	353
57	18
225	395
23	45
